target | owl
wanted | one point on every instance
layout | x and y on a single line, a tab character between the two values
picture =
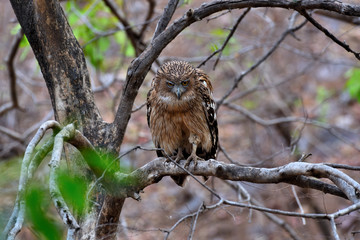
181	114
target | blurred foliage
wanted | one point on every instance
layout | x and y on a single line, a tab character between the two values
220	35
40	214
95	28
10	172
44	225
74	190
353	83
323	94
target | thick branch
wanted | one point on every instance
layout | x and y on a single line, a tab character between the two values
166	17
61	61
294	173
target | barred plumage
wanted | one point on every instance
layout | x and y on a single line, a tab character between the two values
181	113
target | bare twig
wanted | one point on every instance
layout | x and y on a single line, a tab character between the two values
280	222
298	203
290	30
150	13
134	37
343	166
329	34
139	107
221	49
9	60
193	225
22	137
305	120
339	213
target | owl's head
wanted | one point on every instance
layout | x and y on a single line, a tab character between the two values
175	79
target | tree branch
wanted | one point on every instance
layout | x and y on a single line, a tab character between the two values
150	13
328	34
9	60
169	11
291	29
141	65
221	49
296	173
17	217
59	202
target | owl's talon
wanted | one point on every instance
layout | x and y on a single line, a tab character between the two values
179	156
193	158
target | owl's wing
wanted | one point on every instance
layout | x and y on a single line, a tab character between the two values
149	108
149	99
209	110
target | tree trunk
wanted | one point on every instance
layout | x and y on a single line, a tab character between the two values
63	66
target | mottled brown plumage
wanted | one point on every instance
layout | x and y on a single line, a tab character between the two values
181	114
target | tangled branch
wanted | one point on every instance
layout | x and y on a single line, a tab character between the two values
306	175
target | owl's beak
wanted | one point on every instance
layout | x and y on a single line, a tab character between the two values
178	91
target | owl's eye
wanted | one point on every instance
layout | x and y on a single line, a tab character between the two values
169	84
185	82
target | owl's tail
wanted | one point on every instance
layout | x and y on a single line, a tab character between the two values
179	180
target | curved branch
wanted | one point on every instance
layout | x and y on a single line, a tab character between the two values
17	217
59	202
296	173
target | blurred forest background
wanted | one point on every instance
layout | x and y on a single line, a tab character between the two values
304	98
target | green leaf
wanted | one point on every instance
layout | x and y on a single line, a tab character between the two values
126	48
353	83
214	47
103	44
37	209
218	32
74	190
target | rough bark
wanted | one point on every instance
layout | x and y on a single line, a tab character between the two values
64	69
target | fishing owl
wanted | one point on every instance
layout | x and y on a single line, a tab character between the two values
181	114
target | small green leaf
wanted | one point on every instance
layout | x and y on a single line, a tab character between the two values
214	47
353	83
